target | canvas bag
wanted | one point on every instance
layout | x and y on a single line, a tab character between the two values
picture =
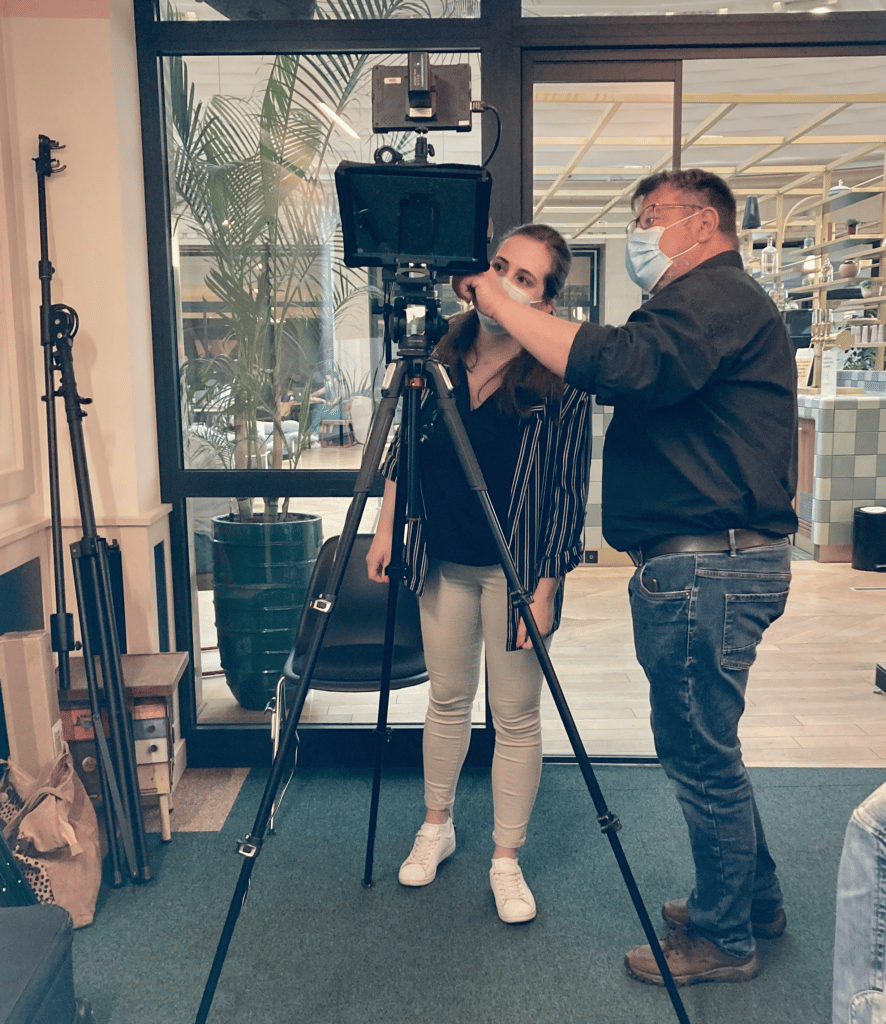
50	826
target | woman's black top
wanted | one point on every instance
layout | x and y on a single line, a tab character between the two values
457	529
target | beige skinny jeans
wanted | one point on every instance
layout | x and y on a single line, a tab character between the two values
462	607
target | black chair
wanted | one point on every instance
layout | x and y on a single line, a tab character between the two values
350	659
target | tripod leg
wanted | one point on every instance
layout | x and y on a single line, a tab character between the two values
381	727
115	686
117	824
250	847
609	822
92	553
395	574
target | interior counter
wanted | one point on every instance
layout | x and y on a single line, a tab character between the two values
841	465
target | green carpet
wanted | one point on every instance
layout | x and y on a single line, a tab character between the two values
312	945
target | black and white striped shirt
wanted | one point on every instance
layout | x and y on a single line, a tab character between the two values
548	498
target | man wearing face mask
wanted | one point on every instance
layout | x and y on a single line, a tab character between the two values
699	473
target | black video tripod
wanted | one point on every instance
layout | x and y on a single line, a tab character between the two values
407	377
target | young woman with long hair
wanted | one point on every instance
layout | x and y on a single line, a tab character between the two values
531	435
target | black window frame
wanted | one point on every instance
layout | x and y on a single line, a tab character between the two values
510	47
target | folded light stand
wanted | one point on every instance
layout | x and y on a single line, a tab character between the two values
115	753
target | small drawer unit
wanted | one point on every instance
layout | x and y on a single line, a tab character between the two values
150	730
152	689
151	751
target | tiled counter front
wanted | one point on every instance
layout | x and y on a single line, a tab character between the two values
842	465
598	550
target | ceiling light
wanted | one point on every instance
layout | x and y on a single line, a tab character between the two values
191	16
340	121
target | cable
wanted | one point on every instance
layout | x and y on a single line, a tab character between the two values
480	107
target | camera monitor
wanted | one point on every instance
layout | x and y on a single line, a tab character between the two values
433	214
417	95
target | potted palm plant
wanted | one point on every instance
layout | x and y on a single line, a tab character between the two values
249	180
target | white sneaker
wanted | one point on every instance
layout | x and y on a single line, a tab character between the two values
513	899
433	843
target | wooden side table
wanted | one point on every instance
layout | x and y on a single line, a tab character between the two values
152	688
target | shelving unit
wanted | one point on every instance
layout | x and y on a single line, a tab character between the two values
840	247
800	267
152	689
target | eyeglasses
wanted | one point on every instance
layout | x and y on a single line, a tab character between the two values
646	217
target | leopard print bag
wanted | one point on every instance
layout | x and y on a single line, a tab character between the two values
50	826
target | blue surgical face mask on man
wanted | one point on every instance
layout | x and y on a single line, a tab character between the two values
524	298
644	260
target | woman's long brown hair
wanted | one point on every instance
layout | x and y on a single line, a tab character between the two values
524	381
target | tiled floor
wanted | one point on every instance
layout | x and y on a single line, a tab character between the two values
811	699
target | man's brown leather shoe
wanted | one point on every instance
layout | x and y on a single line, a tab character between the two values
692	960
676	914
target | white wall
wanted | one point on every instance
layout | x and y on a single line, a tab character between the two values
69	72
620	295
20	489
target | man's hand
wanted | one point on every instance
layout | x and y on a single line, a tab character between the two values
463	288
544	336
484	290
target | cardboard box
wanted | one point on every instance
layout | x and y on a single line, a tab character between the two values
30	700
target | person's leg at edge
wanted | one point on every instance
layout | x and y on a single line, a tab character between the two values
514	681
452	640
696	637
859	944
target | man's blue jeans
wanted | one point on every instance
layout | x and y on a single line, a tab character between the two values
696	631
860	936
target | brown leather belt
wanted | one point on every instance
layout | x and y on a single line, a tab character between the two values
728	540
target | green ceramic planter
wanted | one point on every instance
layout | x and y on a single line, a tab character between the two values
262	572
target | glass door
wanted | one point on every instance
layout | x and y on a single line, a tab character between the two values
597	128
279	357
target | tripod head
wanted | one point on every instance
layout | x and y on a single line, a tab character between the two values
412	309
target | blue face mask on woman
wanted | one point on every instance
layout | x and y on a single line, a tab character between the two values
644	260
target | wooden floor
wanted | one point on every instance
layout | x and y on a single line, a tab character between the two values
811	699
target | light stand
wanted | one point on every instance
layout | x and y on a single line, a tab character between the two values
121	799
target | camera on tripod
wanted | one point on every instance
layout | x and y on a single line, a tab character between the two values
397	213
